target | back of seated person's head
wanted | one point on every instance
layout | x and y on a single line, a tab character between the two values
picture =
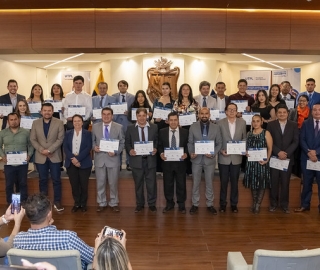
111	255
37	207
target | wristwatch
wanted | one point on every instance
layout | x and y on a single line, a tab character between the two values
49	151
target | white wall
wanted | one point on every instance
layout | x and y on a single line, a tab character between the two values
310	71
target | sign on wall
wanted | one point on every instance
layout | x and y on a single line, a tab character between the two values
67	80
293	75
257	79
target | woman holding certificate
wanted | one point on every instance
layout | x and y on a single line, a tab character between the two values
77	147
57	96
140	101
257	172
35	100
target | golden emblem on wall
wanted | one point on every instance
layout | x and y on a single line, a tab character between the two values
158	75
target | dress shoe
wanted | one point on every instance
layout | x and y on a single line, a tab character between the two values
167	208
115	209
222	208
138	208
193	209
272	209
182	210
83	208
129	168
101	208
153	208
212	210
58	207
75	208
234	209
302	209
286	210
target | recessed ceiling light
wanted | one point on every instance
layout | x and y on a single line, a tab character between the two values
261	60
63	60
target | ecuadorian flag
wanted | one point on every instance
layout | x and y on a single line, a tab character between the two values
100	79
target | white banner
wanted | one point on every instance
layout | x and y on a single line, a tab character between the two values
257	79
292	75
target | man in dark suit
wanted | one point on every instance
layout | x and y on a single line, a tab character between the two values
222	99
310	151
143	166
174	171
11	98
285	135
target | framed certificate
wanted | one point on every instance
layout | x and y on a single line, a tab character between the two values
119	108
109	145
5	109
96	113
257	154
187	119
34	107
279	164
214	114
173	154
76	109
241	104
204	147
26	121
57	104
236	147
161	112
134	114
16	158
247	116
143	148
315	166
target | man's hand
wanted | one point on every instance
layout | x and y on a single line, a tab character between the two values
224	153
282	155
209	155
193	155
97	149
184	156
163	157
4	159
132	153
45	152
154	151
111	154
125	113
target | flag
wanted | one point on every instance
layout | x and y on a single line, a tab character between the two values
100	79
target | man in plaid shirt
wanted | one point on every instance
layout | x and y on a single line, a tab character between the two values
44	236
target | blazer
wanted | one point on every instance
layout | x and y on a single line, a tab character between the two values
132	135
5	99
196	135
121	118
240	134
84	156
288	141
308	140
105	103
52	142
211	102
226	98
314	100
103	158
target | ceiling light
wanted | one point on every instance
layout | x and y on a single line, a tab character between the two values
261	60
63	60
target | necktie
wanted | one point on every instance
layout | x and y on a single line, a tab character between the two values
123	100
204	103
173	140
101	100
204	132
106	132
310	96
142	134
316	130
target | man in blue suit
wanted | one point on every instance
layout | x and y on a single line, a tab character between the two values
310	152
313	96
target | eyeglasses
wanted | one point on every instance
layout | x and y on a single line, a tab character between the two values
232	110
302	100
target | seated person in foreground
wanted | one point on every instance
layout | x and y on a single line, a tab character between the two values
44	236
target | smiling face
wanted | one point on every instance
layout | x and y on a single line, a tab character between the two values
77	85
122	88
220	89
22	107
274	91
140	99
56	90
316	111
282	114
77	123
242	86
231	111
47	112
205	90
102	89
173	121
36	91
185	91
142	118
106	116
12	88
204	115
302	102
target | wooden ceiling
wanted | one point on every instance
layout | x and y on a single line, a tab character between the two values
231	4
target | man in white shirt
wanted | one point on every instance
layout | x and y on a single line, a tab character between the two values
204	99
221	98
78	97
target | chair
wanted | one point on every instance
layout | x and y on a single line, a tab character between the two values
61	259
276	260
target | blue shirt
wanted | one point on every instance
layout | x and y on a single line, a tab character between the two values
49	238
46	127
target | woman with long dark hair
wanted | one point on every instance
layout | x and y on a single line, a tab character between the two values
140	101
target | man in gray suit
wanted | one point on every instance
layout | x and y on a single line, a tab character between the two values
46	136
204	99
107	163
232	129
122	119
143	166
203	130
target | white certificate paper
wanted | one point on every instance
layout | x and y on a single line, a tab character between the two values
134	114
57	104
279	164
222	114
16	158
96	113
76	109
187	119
109	145
236	147
5	109
214	114
247	116
143	148
26	121
34	107
290	103
315	166
119	108
204	147
173	154
257	154
241	104
161	112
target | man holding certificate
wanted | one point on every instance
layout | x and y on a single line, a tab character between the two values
105	134
285	136
143	159
200	133
233	131
173	143
310	155
15	150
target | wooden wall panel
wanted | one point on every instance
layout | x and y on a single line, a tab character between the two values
128	30
193	29
258	30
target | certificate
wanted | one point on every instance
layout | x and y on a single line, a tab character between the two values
290	103
214	114
57	104
76	109
161	112
257	154
134	114
315	166
109	145
34	107
16	158
187	119
279	164
204	147
222	114
236	147
143	148
173	154
96	113
241	104
119	108
247	116
5	109
26	121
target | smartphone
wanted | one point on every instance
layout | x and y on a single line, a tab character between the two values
111	232
15	204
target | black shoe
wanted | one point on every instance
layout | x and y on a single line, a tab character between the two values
167	208
83	208
222	209
75	208
129	168
272	209
212	210
182	210
234	209
153	208
138	208
193	209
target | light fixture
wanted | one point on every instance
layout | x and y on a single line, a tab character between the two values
261	60
63	60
